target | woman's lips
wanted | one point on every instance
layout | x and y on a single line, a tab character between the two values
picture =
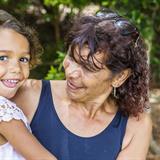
73	86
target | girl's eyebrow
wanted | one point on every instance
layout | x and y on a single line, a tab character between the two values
9	51
4	50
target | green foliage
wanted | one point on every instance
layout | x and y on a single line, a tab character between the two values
56	2
56	72
4	1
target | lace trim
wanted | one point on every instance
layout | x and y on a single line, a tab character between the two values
9	111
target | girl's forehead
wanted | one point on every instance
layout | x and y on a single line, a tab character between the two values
13	41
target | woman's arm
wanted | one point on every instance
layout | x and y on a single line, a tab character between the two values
137	147
23	141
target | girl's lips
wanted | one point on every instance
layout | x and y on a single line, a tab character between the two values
10	83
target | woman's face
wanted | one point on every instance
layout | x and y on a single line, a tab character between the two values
14	61
82	84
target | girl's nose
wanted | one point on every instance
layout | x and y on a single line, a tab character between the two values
14	67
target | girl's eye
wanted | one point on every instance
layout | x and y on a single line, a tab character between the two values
24	59
3	58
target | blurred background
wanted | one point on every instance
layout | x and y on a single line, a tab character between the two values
53	18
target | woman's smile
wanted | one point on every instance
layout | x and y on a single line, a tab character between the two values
73	86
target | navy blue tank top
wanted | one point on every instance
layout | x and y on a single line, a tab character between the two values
65	145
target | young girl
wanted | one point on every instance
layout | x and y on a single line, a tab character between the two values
18	51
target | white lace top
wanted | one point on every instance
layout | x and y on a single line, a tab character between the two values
9	111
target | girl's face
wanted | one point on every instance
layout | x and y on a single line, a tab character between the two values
14	61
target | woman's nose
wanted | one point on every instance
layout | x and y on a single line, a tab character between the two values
74	73
72	69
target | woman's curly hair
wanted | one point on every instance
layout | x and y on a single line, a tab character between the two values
119	39
10	22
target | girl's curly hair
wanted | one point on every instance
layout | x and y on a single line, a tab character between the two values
119	39
10	22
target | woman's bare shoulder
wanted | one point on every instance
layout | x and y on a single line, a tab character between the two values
137	127
137	137
59	92
29	88
58	86
31	84
144	119
58	83
27	97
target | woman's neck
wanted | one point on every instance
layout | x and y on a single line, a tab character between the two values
93	107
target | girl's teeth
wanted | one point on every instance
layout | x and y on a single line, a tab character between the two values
12	81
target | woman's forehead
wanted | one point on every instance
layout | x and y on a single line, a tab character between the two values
84	52
84	56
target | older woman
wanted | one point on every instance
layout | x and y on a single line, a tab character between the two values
99	111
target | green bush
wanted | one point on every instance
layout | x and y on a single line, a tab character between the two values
56	72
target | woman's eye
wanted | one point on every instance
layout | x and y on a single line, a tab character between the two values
3	58
24	60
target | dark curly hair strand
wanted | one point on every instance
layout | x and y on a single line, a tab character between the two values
124	48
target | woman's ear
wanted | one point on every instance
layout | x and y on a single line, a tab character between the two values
121	77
